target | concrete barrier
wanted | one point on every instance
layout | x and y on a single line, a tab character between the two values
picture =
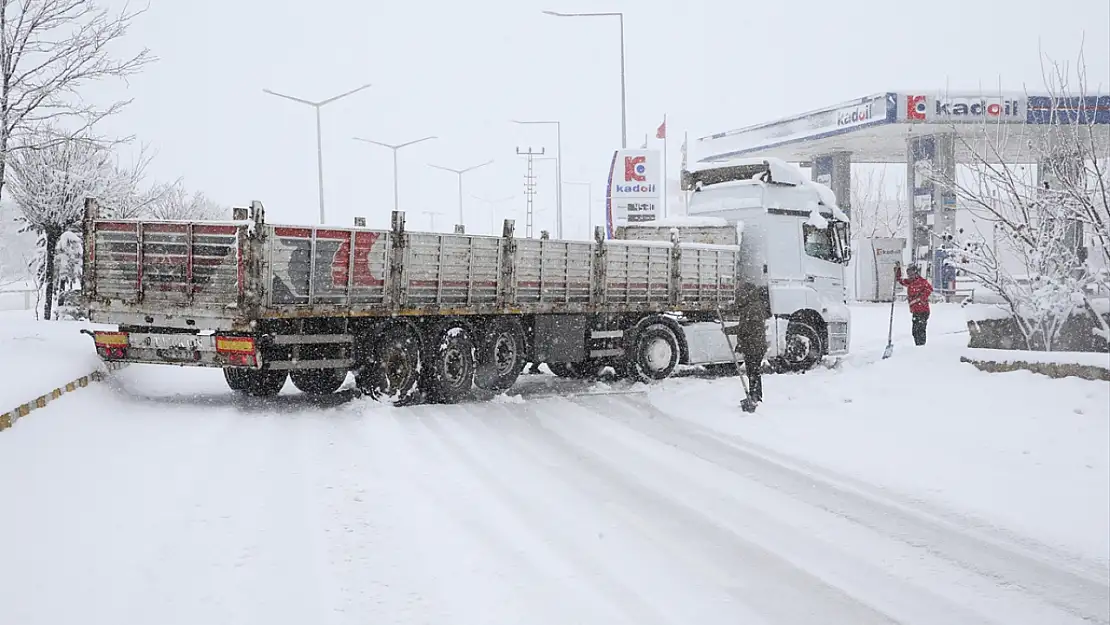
8	419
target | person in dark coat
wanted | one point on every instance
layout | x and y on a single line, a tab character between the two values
751	337
918	291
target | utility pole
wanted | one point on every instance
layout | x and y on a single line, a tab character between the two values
558	171
432	219
529	189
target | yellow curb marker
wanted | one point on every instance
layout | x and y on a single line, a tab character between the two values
8	419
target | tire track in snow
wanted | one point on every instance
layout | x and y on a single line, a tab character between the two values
496	580
1080	596
876	571
243	549
758	579
985	530
550	522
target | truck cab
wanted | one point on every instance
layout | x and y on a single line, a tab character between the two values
796	247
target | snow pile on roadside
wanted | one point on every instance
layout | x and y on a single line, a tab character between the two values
40	356
986	312
1088	359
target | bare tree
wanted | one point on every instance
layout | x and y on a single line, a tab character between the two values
876	211
1037	225
49	51
177	203
50	184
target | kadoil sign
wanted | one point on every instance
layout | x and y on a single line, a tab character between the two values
965	108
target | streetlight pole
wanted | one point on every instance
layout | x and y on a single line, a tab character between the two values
459	173
624	98
319	138
492	214
589	202
432	219
395	147
558	172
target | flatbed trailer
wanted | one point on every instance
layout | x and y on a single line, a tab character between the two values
415	315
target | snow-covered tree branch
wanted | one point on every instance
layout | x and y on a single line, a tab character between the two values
175	202
50	184
876	211
49	51
1041	228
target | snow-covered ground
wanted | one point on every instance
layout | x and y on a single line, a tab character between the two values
39	356
910	490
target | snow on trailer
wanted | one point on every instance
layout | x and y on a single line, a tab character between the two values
411	313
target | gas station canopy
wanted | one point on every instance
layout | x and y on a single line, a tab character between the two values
877	128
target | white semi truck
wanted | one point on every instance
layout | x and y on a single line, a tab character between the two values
797	245
450	316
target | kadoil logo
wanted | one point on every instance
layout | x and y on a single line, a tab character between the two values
915	107
635	172
635	168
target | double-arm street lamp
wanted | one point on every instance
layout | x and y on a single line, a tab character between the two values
459	173
396	147
624	99
319	140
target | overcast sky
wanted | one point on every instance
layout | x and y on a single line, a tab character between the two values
462	70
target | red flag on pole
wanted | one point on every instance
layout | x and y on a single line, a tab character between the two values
662	132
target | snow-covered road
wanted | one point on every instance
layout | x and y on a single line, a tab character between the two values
163	498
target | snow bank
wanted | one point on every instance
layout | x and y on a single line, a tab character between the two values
1087	359
40	356
986	312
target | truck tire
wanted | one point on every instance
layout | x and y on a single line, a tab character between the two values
804	347
237	378
318	381
654	354
450	362
266	382
500	356
392	372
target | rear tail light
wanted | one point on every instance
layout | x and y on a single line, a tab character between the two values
239	350
111	344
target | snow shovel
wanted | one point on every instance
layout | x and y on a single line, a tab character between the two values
748	404
890	332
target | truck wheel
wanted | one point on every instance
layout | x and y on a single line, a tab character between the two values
237	378
501	356
450	358
654	354
266	382
318	381
804	347
392	373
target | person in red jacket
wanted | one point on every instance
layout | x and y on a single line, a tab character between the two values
918	291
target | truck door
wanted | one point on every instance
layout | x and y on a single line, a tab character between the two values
822	263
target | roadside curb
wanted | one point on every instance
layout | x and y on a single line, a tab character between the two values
1050	369
8	419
